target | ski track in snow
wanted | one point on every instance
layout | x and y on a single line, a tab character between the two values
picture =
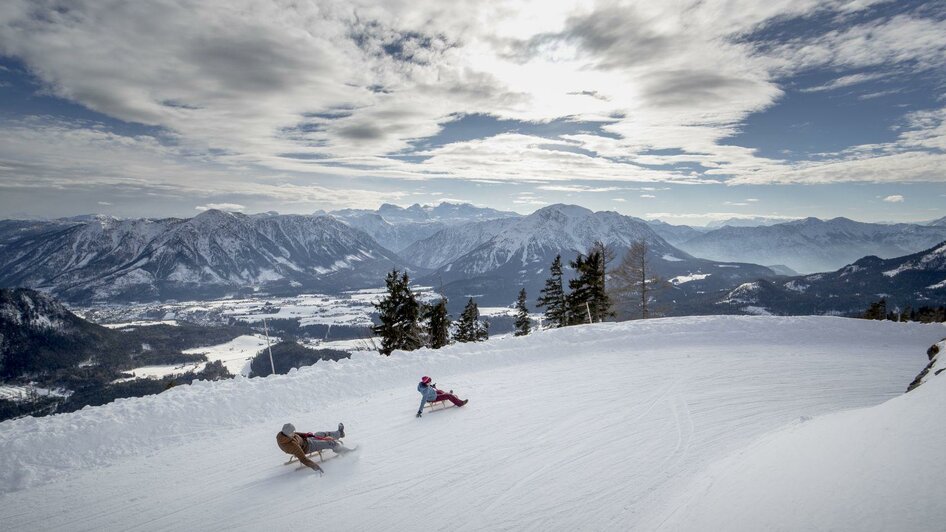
601	427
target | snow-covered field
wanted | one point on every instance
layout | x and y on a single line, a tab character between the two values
236	356
701	423
349	308
13	392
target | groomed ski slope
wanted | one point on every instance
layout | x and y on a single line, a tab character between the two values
701	423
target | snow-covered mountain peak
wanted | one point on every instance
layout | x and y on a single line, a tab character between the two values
216	216
214	253
89	218
562	210
397	227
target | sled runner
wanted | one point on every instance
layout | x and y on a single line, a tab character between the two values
433	404
318	452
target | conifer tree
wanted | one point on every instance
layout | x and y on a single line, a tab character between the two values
877	310
438	325
596	278
553	296
588	299
399	314
469	328
578	294
522	315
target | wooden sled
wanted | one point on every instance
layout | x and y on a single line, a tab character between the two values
432	405
444	404
292	458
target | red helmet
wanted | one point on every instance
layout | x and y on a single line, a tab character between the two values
425	379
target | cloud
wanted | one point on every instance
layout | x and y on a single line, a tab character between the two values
235	207
648	196
707	217
845	81
43	154
896	198
328	98
578	188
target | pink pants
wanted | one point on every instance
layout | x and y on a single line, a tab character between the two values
444	396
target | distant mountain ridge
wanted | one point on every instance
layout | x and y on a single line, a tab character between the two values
811	244
753	221
916	279
396	227
453	242
212	254
520	253
675	234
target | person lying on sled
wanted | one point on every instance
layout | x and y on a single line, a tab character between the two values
430	393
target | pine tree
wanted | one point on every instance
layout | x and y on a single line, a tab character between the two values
588	300
553	296
877	310
438	325
469	328
399	313
522	315
578	299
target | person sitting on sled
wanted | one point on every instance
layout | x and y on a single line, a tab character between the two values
299	444
430	393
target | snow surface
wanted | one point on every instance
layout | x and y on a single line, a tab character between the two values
14	392
680	279
140	323
699	423
236	355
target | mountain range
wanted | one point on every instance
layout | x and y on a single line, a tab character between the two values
461	250
917	279
213	254
812	245
503	257
397	227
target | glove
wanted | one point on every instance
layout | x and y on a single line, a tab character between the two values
418	414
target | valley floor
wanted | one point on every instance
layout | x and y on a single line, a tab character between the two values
607	427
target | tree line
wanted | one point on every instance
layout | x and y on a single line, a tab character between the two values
594	289
408	324
925	314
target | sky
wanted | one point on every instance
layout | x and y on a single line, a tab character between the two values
686	111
